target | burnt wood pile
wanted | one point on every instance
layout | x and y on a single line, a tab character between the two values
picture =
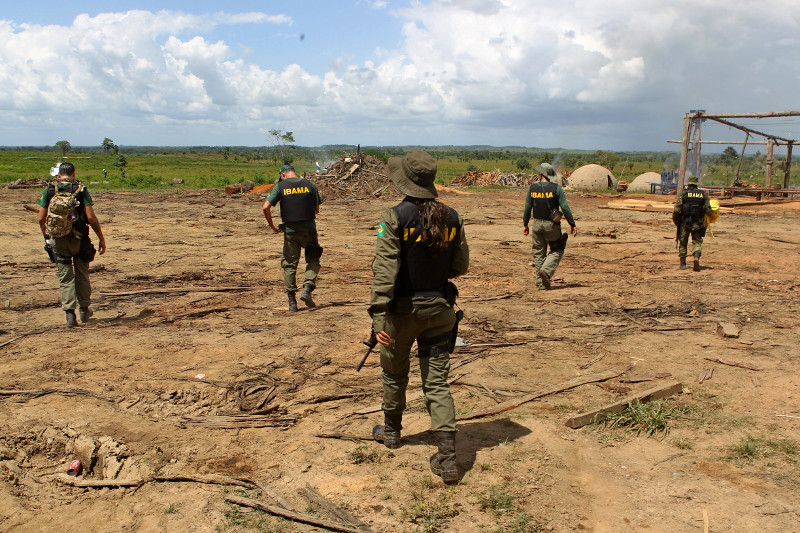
483	178
355	176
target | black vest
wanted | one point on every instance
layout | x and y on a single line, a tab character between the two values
79	224
543	199
694	206
298	200
420	270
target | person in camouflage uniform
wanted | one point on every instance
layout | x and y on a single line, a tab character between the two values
73	252
689	213
421	244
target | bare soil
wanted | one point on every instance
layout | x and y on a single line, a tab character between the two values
148	387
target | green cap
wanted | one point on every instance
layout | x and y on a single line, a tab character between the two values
284	168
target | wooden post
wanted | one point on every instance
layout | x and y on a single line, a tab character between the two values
687	129
788	168
770	146
696	168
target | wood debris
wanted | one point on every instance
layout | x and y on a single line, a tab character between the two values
355	176
483	178
597	415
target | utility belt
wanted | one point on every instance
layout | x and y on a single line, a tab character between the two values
446	342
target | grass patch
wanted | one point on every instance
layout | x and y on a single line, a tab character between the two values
750	448
366	454
171	508
497	500
650	418
522	522
428	509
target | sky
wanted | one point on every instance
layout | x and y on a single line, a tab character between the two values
580	74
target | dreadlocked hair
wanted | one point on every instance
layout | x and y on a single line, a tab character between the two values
433	217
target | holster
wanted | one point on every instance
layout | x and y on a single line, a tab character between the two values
87	251
450	293
454	334
559	244
50	253
556	215
313	250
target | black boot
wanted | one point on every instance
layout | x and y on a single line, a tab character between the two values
443	462
389	432
306	295
696	262
292	302
85	313
71	320
683	262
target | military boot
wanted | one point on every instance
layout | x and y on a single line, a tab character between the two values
683	262
696	267
443	462
292	302
71	320
85	314
544	279
306	295
389	432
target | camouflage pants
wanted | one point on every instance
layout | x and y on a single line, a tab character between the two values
73	277
430	320
293	244
697	231
542	233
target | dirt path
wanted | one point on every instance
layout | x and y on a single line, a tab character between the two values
192	366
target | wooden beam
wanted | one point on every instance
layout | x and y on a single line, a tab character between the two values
597	415
770	149
511	404
675	141
687	129
751	130
788	167
774	114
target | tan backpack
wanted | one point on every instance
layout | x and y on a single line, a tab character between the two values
62	212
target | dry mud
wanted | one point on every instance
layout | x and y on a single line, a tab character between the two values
191	337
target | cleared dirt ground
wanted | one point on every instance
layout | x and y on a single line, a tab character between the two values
171	360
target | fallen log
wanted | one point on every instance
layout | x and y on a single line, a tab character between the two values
597	415
731	363
571	384
173	289
293	515
242	421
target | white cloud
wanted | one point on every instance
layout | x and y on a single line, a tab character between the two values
489	71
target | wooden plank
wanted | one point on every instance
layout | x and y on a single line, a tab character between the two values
596	415
571	384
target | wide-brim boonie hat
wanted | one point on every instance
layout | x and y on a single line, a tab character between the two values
692	179
414	174
547	170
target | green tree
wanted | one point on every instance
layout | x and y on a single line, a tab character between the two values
109	146
607	159
729	156
546	157
523	164
120	162
282	141
226	153
64	146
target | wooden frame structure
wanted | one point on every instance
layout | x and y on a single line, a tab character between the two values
693	120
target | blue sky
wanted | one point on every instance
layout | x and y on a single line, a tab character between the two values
546	73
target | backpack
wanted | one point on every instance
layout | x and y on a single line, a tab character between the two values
62	212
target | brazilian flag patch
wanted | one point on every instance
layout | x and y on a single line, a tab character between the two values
381	230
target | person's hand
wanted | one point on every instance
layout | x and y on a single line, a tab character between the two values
383	338
275	230
574	231
524	230
101	246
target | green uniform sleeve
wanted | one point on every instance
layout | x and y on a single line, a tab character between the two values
272	197
526	215
317	197
562	202
676	211
460	262
385	268
86	199
43	200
